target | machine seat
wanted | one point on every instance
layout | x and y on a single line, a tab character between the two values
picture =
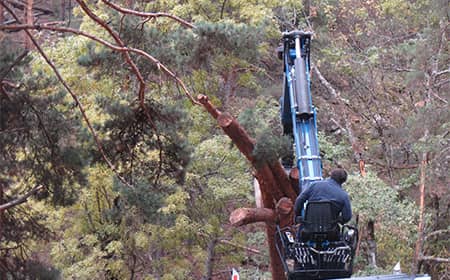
320	223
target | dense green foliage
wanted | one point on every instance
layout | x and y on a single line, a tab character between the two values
387	59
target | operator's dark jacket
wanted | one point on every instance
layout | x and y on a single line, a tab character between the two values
327	189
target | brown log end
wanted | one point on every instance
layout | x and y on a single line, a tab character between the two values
237	216
244	216
202	98
294	175
284	206
225	120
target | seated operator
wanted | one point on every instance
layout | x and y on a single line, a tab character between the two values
331	190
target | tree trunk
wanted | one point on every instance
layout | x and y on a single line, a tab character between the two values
2	187
29	20
273	181
271	176
306	7
210	259
2	17
419	242
63	10
371	244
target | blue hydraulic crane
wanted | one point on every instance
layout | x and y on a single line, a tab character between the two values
297	105
318	253
324	249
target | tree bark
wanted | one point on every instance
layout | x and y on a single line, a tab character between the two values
257	189
294	177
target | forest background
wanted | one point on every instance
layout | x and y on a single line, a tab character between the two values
110	170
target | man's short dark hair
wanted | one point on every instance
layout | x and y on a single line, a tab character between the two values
339	175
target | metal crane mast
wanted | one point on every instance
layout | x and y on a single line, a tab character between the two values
297	103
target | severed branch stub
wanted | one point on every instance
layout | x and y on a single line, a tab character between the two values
245	216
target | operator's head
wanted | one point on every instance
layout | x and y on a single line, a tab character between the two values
339	175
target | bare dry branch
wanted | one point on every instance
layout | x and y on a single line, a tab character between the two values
148	15
436	233
443	72
325	82
434	259
252	250
20	199
227	242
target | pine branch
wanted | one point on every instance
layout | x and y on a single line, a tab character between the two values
74	96
119	42
15	62
147	56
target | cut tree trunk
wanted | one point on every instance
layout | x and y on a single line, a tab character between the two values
274	183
